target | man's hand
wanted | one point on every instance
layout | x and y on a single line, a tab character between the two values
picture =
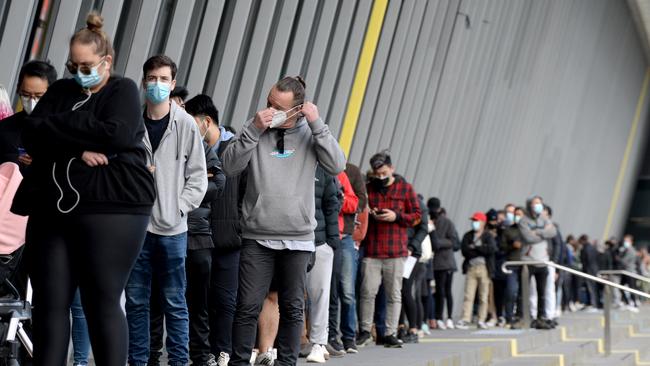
264	118
516	244
94	159
386	215
310	111
25	159
151	168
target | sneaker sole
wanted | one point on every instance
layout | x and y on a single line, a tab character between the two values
392	346
352	351
365	343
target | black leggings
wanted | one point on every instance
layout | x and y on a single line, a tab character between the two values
95	253
411	305
443	292
499	287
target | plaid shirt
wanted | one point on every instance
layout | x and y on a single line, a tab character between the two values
389	239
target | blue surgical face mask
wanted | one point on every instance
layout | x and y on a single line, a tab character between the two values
158	92
510	218
517	219
538	208
476	225
88	81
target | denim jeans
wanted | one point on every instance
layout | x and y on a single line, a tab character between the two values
163	257
80	339
344	278
512	292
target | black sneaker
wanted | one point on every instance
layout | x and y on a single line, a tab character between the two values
364	339
411	338
402	333
392	342
350	346
335	348
541	324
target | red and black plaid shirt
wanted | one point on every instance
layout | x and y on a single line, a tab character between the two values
390	239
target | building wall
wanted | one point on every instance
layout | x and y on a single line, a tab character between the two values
480	102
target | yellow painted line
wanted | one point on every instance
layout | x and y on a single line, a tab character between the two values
362	75
637	356
565	338
634	334
514	351
626	155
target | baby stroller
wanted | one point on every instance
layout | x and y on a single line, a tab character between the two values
15	312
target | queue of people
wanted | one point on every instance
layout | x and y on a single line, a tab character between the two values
251	247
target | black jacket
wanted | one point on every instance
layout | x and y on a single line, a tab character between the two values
328	205
109	122
10	137
198	220
511	235
555	246
226	210
444	240
417	233
471	250
589	259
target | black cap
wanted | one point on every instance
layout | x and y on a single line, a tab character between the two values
492	215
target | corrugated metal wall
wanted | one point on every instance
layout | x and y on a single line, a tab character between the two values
480	102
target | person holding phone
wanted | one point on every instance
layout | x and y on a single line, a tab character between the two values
393	209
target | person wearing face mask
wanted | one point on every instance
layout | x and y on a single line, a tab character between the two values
537	229
393	209
88	177
625	259
33	80
478	247
176	161
226	233
499	278
510	245
279	148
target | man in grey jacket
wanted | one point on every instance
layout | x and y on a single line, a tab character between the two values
278	211
536	229
176	159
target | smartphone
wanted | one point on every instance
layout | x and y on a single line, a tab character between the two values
21	151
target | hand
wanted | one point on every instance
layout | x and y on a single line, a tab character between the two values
386	215
25	159
410	252
264	118
310	111
94	159
151	168
516	244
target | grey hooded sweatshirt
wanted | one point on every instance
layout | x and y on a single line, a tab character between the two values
180	174
536	230
279	199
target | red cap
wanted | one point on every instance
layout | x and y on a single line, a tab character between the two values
479	216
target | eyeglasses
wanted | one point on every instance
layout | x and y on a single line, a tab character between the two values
84	68
31	96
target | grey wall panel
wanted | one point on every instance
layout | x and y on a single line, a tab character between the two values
68	13
12	41
111	12
143	35
319	47
350	59
178	32
300	38
205	45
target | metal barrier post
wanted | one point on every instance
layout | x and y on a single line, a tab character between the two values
525	296
608	321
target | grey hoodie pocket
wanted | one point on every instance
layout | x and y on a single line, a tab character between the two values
279	215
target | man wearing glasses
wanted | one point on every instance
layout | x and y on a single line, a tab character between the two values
279	149
34	79
175	157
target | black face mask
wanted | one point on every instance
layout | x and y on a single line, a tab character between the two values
380	182
434	214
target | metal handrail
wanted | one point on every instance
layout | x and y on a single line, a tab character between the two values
573	271
607	301
624	273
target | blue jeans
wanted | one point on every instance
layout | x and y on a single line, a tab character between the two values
163	257
80	339
512	292
347	281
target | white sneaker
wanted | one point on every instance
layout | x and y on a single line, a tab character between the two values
265	359
633	309
483	325
254	354
492	323
317	354
450	324
223	359
441	325
462	325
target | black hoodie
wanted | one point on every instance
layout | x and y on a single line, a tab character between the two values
108	122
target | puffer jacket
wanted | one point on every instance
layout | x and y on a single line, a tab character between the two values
328	205
198	220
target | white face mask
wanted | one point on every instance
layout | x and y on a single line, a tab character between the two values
28	104
280	117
